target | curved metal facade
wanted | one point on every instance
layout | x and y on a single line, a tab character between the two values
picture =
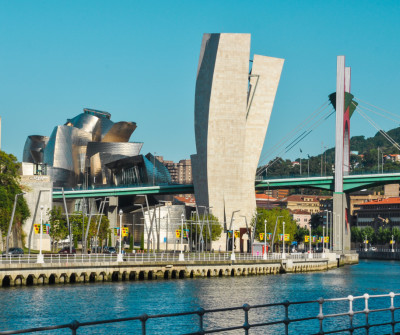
125	149
76	152
34	148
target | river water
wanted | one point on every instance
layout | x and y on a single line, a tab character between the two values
58	304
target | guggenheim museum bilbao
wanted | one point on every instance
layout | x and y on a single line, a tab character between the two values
234	98
88	151
91	150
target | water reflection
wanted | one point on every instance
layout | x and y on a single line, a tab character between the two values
48	305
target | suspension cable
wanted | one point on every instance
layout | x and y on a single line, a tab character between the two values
381	109
295	130
383	115
314	126
377	127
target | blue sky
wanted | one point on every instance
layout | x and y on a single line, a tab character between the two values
138	61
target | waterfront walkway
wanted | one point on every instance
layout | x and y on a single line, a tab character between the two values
151	257
20	271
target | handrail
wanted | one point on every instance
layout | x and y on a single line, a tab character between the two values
153	257
350	311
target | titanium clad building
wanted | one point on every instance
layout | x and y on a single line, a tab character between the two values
79	153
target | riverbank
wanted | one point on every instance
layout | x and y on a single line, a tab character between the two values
379	255
24	274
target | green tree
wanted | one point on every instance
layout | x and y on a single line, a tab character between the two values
369	233
356	234
396	235
58	226
103	226
274	216
383	235
76	227
301	232
316	220
9	187
216	229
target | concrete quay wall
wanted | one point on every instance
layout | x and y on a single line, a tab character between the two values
40	274
379	255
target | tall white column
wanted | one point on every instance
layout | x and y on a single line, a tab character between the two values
40	258
339	197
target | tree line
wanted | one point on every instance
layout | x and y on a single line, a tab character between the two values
367	159
9	187
381	236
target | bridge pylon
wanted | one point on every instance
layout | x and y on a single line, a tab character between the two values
344	108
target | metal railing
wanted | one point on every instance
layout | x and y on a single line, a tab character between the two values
322	316
329	175
152	257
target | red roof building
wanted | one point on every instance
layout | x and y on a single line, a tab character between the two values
378	213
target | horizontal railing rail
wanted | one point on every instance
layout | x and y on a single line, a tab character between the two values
328	316
152	257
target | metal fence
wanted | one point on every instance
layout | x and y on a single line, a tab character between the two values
152	257
349	315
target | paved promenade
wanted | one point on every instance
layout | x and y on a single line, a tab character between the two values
55	270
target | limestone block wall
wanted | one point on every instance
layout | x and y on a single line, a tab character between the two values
232	110
38	192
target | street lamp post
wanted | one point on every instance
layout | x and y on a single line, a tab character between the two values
231	227
40	258
181	255
12	219
331	234
323	241
310	254
119	257
273	236
265	240
392	243
365	243
283	240
233	257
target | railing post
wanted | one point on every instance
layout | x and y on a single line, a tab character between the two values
246	324
74	326
143	319
392	309
366	311
200	313
321	315
287	320
351	313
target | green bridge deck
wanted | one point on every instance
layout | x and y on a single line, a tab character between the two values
351	183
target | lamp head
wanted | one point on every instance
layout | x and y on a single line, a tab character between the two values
121	212
41	207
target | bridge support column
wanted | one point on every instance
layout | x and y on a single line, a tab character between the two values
341	227
112	215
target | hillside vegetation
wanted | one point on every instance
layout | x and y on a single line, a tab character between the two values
364	158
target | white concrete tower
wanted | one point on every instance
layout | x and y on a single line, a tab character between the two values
232	111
